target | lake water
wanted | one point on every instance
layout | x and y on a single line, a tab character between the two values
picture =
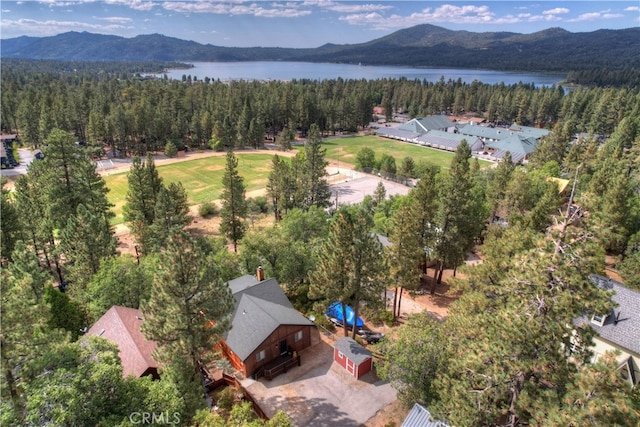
321	71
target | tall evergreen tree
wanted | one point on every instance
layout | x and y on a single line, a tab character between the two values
139	210
10	226
316	189
456	221
171	212
189	307
85	242
507	342
497	184
280	187
234	203
406	253
351	268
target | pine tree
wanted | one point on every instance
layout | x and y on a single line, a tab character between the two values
142	193
171	212
380	194
425	208
316	189
456	221
85	242
508	339
280	187
10	226
351	268
25	331
189	308
497	184
406	254
234	204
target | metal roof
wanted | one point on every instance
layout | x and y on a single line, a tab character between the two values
530	131
448	140
419	416
514	144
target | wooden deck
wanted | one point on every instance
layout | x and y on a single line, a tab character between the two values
278	366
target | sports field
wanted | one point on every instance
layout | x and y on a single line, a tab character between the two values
202	177
344	150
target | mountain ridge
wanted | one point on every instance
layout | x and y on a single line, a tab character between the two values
425	45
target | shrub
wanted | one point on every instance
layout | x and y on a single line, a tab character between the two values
207	209
226	398
258	205
170	149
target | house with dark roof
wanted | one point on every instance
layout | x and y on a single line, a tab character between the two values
266	331
619	329
121	326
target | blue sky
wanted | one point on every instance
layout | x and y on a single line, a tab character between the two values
304	23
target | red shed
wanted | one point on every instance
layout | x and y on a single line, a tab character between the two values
353	357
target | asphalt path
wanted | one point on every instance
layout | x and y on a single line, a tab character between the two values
26	157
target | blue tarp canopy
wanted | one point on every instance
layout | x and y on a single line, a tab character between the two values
335	311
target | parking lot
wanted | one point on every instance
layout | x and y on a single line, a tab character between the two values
351	187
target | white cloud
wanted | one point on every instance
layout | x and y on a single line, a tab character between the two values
556	11
274	10
468	14
142	5
632	9
595	16
65	3
53	27
115	19
356	8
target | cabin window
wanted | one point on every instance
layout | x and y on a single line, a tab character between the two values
626	372
298	336
340	355
260	356
598	319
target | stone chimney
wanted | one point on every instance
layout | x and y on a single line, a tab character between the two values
260	273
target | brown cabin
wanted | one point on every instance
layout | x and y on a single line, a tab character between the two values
266	330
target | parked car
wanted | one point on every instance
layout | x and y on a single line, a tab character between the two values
369	336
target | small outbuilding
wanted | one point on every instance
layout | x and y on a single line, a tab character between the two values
353	357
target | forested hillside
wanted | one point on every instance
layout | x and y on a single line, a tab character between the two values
551	50
507	354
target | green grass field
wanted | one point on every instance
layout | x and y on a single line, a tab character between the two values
345	150
201	178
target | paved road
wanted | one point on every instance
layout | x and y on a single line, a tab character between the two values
25	158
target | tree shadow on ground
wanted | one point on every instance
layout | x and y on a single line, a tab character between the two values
315	412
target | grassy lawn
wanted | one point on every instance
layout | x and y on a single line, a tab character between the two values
201	178
346	149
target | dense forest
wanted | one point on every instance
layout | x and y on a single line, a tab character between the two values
135	115
503	356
